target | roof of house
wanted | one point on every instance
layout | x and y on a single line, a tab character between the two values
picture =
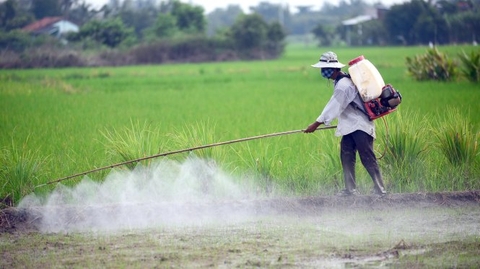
40	24
357	20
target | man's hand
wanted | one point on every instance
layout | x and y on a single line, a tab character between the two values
312	127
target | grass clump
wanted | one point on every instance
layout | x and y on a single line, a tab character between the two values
405	143
20	172
433	65
470	65
133	142
457	142
196	135
457	139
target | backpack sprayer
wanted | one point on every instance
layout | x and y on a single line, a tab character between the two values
178	151
385	104
379	99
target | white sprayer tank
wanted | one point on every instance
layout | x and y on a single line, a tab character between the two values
366	77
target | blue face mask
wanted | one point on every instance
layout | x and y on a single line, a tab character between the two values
327	72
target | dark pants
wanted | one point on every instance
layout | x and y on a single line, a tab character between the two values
363	143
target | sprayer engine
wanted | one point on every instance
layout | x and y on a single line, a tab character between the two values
385	104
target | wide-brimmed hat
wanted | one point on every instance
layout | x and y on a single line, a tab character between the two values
328	59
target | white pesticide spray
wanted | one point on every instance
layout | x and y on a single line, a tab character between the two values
164	193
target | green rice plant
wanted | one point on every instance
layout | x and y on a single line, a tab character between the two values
264	161
457	139
470	67
296	180
326	165
133	142
20	171
433	65
404	159
456	178
457	143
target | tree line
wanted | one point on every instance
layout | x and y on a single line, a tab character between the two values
154	31
130	32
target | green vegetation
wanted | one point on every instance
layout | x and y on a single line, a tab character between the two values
470	65
133	142
129	33
110	33
135	32
20	171
406	142
71	120
433	65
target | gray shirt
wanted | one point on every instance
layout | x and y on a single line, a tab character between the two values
350	119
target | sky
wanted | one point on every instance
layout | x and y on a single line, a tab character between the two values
210	5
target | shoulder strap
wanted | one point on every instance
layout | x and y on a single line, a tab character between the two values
355	105
342	75
359	107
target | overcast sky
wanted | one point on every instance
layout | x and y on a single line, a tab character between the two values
210	5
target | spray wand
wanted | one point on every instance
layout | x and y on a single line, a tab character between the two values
178	151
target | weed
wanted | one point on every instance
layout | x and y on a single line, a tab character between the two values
470	65
20	171
457	139
264	161
404	142
328	171
134	142
433	65
199	134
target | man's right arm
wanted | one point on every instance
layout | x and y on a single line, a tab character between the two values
312	127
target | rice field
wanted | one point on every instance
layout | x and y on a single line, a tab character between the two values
58	122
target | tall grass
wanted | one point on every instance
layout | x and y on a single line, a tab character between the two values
470	65
20	171
133	142
195	135
326	169
264	162
457	140
406	150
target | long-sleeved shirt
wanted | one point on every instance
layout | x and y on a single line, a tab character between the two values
350	119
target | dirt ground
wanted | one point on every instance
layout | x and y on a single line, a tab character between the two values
416	230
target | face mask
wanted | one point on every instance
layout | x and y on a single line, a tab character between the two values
327	72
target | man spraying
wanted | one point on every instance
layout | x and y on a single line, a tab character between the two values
355	128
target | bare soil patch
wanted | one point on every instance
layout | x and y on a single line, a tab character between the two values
415	230
13	220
